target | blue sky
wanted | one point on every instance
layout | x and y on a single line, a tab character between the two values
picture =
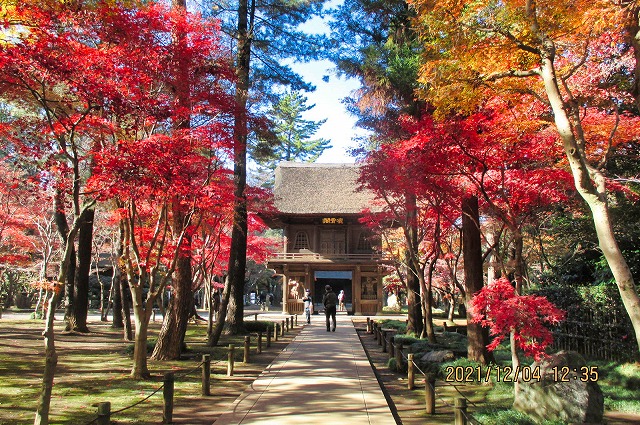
340	126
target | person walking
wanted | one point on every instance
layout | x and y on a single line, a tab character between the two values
329	300
308	305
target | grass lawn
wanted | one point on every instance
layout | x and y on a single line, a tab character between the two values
95	368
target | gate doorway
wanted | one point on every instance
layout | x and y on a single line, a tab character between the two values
339	280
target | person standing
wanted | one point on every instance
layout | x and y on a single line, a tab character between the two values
308	305
329	300
216	303
341	300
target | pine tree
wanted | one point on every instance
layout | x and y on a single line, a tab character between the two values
294	135
265	35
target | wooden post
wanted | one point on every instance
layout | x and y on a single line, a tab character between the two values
167	396
230	360
375	331
368	325
282	329
287	324
206	374
384	340
275	331
104	413
296	316
398	350
460	411
247	346
255	317
259	348
268	337
410	374
392	352
154	315
430	395
380	335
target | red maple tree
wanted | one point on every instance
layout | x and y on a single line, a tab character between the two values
500	308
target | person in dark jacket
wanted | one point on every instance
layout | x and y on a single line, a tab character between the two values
330	300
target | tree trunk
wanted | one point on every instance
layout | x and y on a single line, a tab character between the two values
413	282
60	218
238	257
590	184
142	313
518	273
51	356
428	310
478	337
126	308
209	296
81	292
51	362
452	307
174	327
117	320
222	314
119	274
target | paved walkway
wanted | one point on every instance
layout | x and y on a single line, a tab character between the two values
320	378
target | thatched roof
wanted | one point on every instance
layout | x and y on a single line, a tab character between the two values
307	189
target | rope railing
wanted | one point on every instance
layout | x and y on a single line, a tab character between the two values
104	408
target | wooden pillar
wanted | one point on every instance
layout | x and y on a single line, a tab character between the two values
356	284
285	291
167	396
430	395
206	374
460	411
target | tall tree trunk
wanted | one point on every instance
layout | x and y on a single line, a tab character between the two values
591	185
174	327
238	257
478	337
413	281
60	218
82	272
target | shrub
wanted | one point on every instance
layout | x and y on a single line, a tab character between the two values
258	326
151	344
400	326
